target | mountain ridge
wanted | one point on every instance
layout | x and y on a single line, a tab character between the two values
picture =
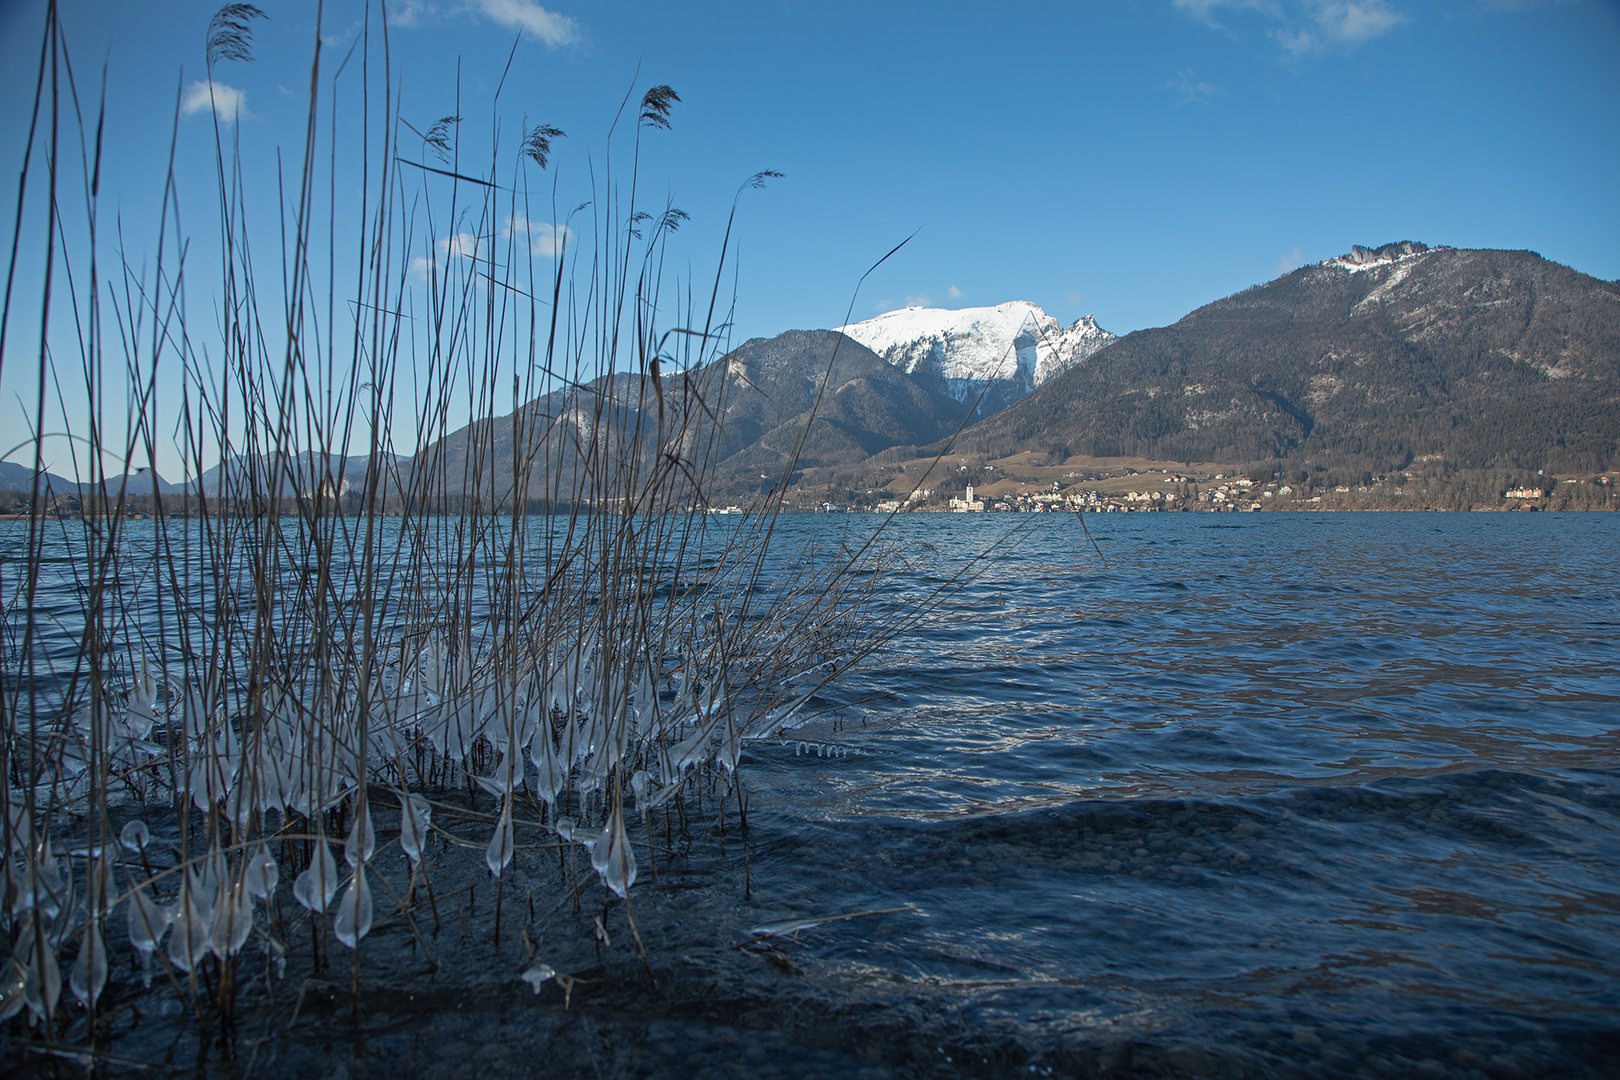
1363	363
1484	357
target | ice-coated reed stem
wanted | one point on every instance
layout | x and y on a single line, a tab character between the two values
443	526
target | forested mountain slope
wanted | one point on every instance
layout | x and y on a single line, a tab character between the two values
1482	358
737	421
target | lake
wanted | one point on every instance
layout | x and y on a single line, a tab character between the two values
1336	791
1197	795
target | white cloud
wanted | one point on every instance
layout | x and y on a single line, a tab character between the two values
1073	298
1353	23
921	299
545	239
336	39
1191	90
1310	26
227	102
954	293
1285	263
526	15
406	13
1298	42
459	246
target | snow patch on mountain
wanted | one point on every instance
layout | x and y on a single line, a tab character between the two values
1016	345
1364	258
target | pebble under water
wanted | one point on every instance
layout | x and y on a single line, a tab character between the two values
1216	795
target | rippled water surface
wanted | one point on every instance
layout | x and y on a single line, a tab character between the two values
1321	789
1196	795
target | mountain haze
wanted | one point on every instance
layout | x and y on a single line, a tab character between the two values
17	477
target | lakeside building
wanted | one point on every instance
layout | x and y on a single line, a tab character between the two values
962	506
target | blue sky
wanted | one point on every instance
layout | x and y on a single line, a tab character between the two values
1132	160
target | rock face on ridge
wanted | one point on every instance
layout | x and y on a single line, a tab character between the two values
1362	257
1002	352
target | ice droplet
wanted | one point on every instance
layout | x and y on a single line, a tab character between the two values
354	910
261	875
148	922
362	839
318	883
189	942
42	981
537	975
233	919
415	812
89	973
135	835
499	852
612	858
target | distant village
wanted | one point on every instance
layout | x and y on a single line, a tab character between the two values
1238	494
1157	492
1125	490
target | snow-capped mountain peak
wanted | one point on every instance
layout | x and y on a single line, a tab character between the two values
1012	347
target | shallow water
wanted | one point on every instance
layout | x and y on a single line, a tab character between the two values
1278	794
